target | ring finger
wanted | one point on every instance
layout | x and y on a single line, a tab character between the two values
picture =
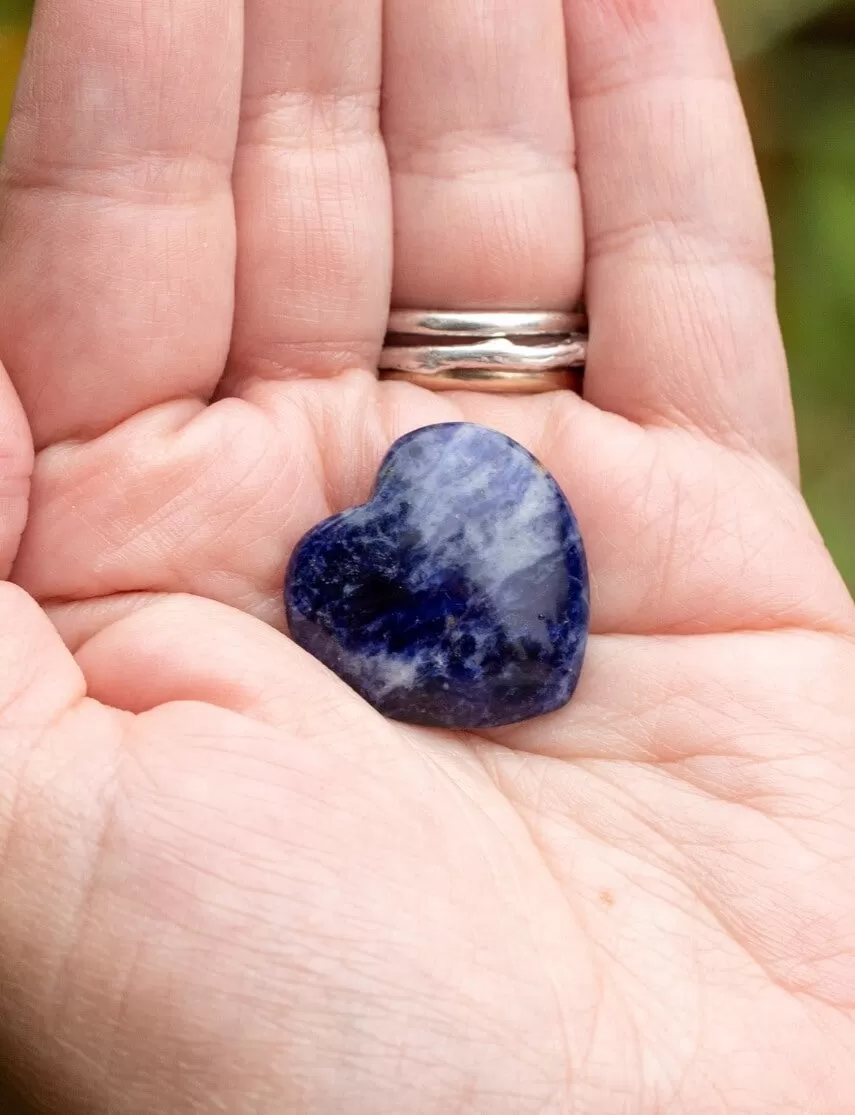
476	118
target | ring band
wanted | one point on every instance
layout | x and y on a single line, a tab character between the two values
512	323
496	382
508	352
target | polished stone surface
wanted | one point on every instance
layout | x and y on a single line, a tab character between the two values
458	595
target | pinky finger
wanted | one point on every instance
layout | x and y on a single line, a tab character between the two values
679	282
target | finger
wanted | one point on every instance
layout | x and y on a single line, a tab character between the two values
116	219
679	283
16	466
477	125
311	192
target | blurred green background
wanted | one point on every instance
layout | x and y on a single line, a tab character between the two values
796	65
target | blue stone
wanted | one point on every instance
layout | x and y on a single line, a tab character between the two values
458	595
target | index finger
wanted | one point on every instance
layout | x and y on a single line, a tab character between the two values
116	215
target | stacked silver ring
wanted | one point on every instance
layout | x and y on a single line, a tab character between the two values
508	352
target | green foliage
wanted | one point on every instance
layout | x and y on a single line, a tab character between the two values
801	101
14	12
755	25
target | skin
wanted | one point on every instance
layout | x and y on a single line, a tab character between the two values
226	884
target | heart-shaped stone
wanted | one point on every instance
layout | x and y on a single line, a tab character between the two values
458	595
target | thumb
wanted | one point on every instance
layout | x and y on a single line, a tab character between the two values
53	769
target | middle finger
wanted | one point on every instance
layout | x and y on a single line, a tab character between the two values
311	193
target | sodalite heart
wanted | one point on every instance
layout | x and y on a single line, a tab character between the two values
458	595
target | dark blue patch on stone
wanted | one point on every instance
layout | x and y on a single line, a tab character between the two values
458	595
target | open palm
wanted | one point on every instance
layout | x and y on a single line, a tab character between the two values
226	883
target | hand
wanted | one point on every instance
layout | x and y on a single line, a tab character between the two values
226	883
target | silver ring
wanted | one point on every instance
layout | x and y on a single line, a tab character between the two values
508	352
476	323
